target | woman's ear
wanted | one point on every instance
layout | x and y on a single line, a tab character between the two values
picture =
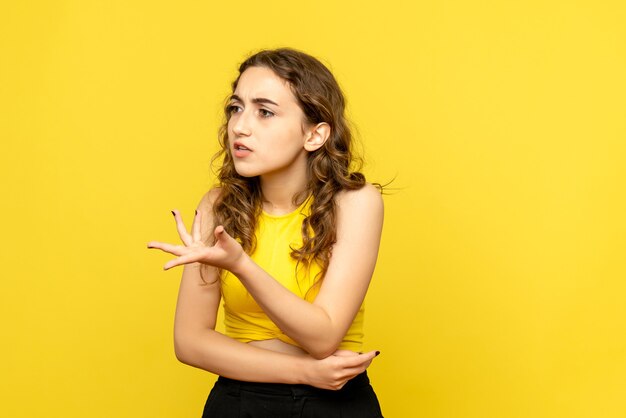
317	136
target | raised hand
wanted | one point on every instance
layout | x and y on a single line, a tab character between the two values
224	254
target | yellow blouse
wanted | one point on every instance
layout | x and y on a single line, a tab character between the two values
244	320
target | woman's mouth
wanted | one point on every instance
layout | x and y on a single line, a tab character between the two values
240	150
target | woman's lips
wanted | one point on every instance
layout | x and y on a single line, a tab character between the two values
240	150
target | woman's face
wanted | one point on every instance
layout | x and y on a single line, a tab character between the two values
266	134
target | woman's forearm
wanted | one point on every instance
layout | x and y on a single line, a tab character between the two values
307	324
209	350
214	352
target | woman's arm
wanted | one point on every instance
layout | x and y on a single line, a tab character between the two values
199	345
319	327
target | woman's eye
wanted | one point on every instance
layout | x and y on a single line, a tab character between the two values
265	113
233	109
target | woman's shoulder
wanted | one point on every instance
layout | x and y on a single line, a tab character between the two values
205	212
208	199
366	198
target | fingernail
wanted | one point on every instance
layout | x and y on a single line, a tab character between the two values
196	213
377	353
173	213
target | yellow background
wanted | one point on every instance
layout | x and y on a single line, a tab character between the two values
500	289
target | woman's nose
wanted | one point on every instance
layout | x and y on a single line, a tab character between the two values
241	126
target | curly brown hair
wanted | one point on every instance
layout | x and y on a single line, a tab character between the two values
331	168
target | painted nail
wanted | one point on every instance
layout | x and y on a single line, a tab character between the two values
377	353
196	213
173	214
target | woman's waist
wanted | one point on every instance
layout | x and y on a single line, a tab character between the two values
282	343
274	344
359	382
258	328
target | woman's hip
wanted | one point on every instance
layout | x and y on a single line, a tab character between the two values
231	398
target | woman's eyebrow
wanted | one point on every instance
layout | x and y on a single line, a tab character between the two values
255	100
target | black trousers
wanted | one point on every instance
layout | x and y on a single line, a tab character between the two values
236	399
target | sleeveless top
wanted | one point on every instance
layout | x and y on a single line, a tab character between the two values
244	319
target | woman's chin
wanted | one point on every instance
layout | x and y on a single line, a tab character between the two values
246	173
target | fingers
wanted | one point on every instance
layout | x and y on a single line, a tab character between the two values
221	236
184	259
357	363
338	369
168	248
224	237
352	365
195	227
353	369
359	359
219	232
345	353
180	227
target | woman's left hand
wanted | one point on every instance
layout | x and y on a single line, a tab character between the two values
226	253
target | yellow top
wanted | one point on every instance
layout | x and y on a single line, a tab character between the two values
244	320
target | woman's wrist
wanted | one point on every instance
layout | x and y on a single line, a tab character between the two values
302	369
241	265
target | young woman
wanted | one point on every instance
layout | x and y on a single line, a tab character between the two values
289	240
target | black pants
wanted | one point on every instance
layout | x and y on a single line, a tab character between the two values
236	399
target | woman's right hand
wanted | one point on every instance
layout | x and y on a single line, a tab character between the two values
334	371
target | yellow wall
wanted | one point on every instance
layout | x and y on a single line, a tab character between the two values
500	290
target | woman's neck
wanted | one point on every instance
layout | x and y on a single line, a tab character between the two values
278	193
